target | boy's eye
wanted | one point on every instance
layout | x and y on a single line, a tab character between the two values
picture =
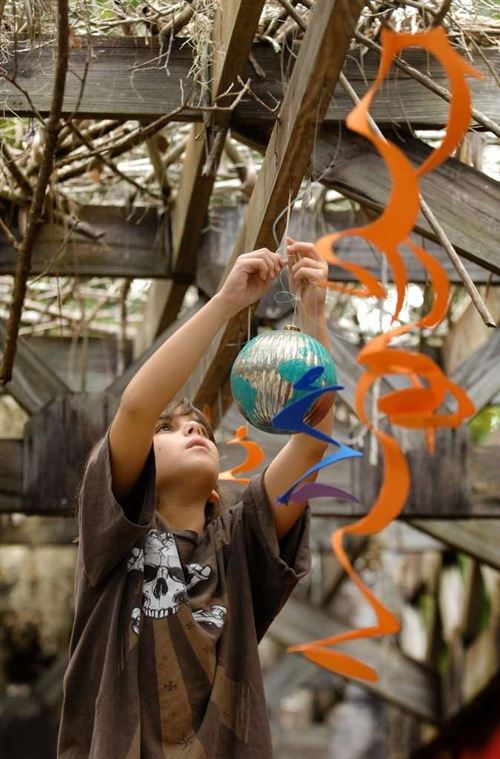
164	425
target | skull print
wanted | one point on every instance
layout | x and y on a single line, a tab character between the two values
163	588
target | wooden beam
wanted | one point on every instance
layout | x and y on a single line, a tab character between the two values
286	160
479	375
115	242
143	82
402	681
139	246
225	222
33	383
476	537
234	27
466	201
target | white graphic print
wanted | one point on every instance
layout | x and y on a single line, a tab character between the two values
164	587
135	619
136	560
196	573
214	615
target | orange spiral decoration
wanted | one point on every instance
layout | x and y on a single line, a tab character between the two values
416	406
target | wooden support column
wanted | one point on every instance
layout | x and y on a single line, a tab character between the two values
287	158
234	28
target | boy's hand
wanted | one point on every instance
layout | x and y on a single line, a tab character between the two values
250	277
307	270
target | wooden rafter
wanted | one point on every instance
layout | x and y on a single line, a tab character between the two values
465	200
114	243
475	537
141	90
234	27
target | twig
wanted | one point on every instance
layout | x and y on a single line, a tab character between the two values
113	167
481	118
16	172
144	133
8	234
445	7
24	258
435	226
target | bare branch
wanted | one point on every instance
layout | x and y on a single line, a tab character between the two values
26	248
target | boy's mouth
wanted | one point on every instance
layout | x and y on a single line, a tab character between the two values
197	441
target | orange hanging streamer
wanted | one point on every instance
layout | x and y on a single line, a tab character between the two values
254	458
416	406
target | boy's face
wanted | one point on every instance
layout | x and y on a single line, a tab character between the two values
183	448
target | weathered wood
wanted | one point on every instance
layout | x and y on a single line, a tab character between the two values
402	681
287	157
142	82
459	479
479	375
139	246
234	27
33	382
56	444
11	475
130	244
466	201
225	223
477	538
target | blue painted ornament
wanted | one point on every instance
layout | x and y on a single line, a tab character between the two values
266	369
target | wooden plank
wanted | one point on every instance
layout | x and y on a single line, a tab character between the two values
287	158
402	681
139	246
127	244
225	223
56	443
11	474
132	78
479	375
466	201
477	538
459	481
33	383
234	26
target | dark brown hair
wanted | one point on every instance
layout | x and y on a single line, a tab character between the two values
176	407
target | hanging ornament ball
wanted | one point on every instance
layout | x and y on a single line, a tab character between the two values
265	370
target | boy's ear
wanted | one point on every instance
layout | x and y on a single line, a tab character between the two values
214	497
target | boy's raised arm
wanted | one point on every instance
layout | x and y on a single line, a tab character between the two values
164	373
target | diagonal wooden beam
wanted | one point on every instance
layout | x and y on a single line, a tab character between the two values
476	537
33	383
287	158
234	27
466	201
402	681
479	375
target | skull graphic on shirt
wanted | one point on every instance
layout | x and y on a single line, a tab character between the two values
164	587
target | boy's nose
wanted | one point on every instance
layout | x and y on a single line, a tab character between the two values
193	427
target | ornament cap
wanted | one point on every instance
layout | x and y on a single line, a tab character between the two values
292	328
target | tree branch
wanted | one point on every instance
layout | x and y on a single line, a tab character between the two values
46	165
